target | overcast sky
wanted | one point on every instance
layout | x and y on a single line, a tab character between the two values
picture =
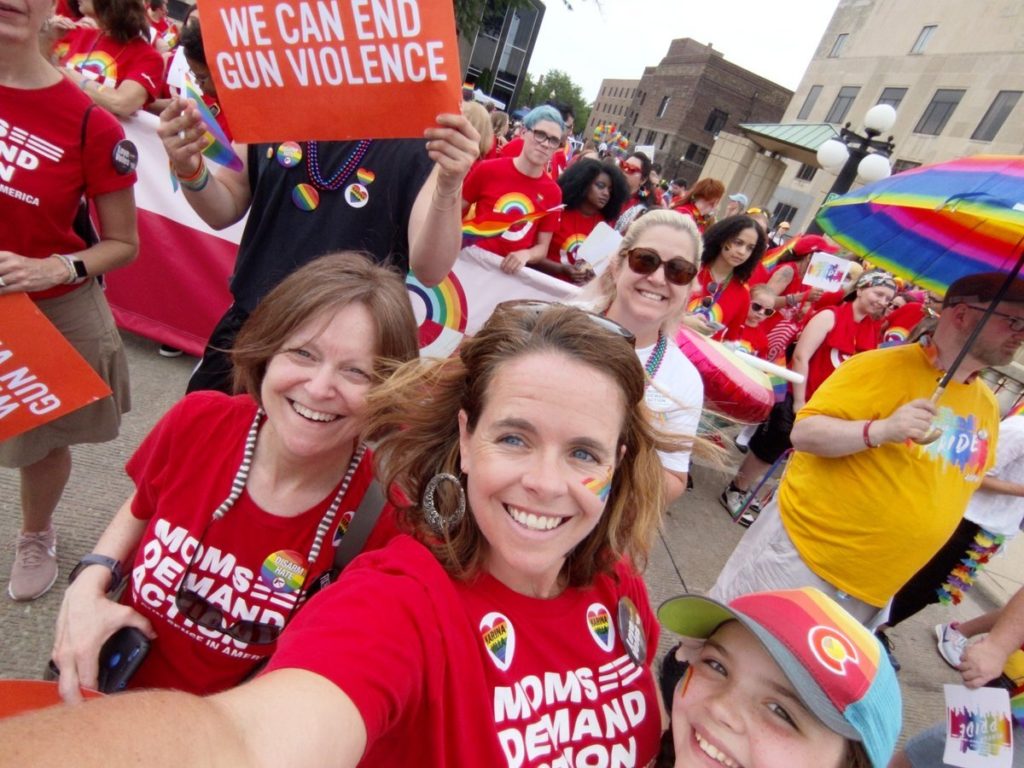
773	38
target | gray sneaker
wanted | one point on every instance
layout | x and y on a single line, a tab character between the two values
950	644
35	565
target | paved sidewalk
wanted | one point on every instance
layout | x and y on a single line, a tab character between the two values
696	540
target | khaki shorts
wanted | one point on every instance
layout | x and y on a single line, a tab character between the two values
766	559
84	317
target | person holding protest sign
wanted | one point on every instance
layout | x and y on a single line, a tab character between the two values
386	197
515	195
113	61
645	288
217	571
49	250
530	482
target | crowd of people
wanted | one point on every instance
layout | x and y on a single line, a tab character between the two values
469	590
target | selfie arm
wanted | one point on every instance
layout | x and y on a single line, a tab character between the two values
315	725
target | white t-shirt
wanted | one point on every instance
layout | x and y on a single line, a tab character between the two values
1000	512
675	398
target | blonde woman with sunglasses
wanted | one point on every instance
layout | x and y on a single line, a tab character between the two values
645	289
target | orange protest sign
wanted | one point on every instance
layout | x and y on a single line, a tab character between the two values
332	69
42	377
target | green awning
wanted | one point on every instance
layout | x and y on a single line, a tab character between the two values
797	141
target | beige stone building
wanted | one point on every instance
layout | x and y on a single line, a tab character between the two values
953	69
612	104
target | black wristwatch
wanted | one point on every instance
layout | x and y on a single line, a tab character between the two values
114	566
81	273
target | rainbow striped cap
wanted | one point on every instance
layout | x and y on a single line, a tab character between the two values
836	666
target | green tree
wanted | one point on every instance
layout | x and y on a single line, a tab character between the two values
557	85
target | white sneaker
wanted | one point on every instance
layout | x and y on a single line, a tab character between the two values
35	565
950	644
733	500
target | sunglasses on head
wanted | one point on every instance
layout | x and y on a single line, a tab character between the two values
647	261
762	309
536	307
629	169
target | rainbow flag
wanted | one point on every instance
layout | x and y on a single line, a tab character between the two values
476	230
218	147
771	258
1017	410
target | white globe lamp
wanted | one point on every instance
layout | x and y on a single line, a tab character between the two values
873	167
832	155
880	118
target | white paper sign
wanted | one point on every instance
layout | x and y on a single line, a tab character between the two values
597	249
826	272
979	728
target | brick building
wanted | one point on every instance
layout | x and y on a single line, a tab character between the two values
680	105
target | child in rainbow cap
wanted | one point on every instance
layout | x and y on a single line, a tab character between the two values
784	679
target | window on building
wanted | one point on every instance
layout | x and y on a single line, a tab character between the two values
664	138
649	139
903	165
996	115
664	105
806	172
809	102
937	114
696	154
838	45
716	121
892	96
841	106
643	98
922	39
783	212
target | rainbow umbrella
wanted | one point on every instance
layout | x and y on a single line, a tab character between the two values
936	223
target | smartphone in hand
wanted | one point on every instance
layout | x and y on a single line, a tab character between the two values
120	658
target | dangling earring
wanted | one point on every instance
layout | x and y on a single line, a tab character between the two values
434	518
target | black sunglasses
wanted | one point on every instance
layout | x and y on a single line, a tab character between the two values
646	261
762	309
536	306
199	610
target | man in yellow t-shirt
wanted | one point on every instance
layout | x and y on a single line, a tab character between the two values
862	506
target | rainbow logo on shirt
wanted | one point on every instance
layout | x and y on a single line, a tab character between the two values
963	445
499	639
99	63
599	622
512	203
442	313
567	250
365	175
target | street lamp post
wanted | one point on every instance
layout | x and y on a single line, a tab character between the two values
853	156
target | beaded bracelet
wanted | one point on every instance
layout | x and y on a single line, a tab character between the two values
69	266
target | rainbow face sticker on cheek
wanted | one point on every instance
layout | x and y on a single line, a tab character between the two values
684	681
600	486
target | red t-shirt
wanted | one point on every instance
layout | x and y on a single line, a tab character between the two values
513	148
754	339
573	229
252	564
45	169
475	674
730	307
847	338
88	49
901	322
691	210
501	194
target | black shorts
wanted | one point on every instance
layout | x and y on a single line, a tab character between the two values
771	439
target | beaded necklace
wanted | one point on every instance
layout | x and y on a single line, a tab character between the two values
656	357
339	178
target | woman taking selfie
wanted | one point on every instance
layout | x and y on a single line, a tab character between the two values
536	488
